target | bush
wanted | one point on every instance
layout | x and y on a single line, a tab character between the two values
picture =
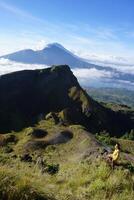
52	168
129	136
104	137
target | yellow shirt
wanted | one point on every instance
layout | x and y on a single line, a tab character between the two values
115	154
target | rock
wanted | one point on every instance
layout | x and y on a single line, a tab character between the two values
53	116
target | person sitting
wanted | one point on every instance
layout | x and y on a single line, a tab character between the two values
112	158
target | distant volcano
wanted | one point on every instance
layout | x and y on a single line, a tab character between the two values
52	54
56	54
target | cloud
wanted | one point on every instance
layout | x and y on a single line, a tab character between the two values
91	76
130	34
118	63
7	66
86	77
41	44
101	78
100	32
122	64
91	73
120	67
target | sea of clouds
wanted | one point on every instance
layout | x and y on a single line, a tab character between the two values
101	78
7	66
87	77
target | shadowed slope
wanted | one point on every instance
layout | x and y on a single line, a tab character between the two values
27	96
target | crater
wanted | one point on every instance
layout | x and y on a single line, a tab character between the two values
39	133
61	137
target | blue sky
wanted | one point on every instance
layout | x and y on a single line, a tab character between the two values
94	29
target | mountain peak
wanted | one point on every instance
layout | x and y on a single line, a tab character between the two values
55	44
52	54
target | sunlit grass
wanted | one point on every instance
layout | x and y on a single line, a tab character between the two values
78	178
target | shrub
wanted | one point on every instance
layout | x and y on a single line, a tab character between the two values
104	137
52	168
129	135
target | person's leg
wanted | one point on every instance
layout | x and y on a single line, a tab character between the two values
109	160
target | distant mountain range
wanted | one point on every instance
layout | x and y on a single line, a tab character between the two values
52	54
56	54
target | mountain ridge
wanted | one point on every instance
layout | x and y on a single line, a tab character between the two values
58	136
56	90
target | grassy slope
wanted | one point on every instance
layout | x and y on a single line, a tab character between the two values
83	174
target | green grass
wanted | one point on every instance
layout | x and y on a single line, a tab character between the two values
79	180
20	185
78	177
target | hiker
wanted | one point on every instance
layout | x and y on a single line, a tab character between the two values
112	158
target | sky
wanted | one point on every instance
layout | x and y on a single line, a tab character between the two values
101	30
